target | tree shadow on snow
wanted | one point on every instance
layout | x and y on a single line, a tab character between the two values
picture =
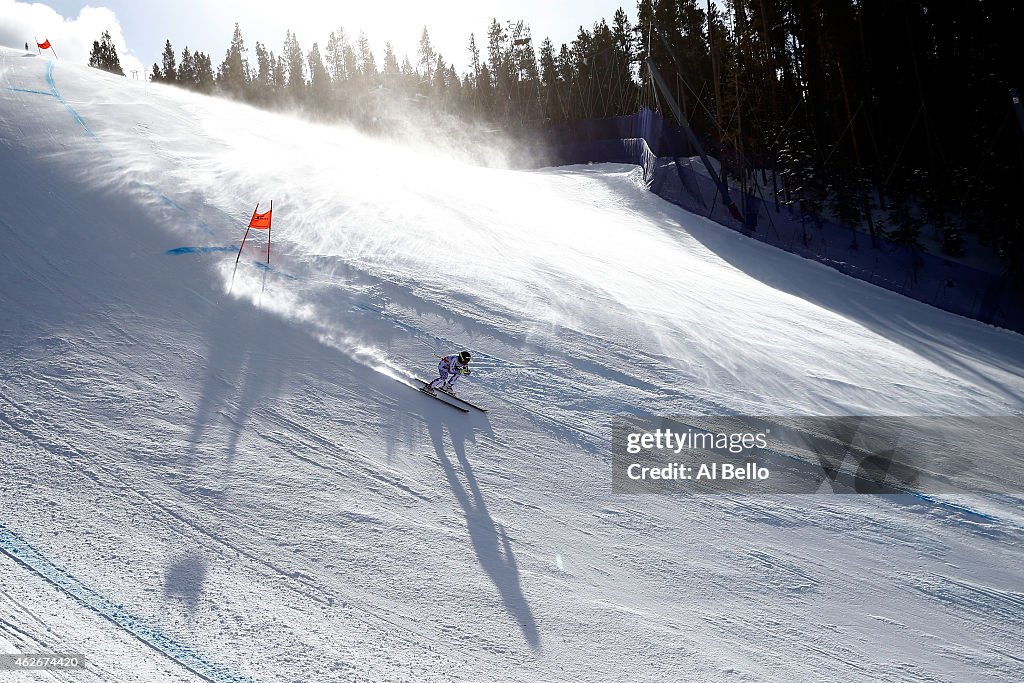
489	540
244	367
184	581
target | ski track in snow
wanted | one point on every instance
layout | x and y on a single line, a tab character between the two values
218	478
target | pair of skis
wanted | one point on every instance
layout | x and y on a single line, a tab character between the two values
448	399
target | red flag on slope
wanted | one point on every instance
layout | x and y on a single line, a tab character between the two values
45	45
261	221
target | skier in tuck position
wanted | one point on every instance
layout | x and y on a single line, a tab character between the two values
450	368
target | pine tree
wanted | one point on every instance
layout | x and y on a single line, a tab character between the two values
524	80
186	70
439	83
334	55
804	183
294	65
319	80
280	78
581	65
906	231
550	104
367	63
170	71
426	54
472	93
474	56
263	70
484	91
453	84
234	76
350	60
104	55
391	68
565	67
203	72
623	89
496	38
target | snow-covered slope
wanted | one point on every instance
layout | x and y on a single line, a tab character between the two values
217	476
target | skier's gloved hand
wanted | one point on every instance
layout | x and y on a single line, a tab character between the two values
465	371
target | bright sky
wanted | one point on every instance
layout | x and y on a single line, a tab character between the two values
207	26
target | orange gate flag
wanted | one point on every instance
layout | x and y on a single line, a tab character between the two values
259	221
45	45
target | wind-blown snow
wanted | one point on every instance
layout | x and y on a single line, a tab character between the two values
229	461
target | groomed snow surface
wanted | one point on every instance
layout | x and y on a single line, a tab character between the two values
208	477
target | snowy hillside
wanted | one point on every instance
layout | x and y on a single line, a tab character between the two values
217	477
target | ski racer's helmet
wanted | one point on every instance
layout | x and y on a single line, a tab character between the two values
464	357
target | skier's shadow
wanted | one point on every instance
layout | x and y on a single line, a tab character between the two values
490	543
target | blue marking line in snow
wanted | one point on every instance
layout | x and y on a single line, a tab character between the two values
395	321
196	250
54	93
21	551
60	98
168	201
32	92
177	251
953	506
271	269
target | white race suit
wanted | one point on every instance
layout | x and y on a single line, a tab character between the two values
450	368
